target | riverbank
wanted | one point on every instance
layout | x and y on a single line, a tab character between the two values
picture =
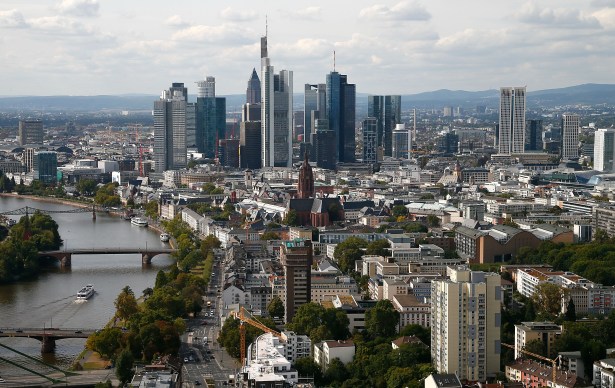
61	201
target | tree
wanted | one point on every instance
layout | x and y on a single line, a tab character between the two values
349	251
307	367
123	366
126	304
423	333
269	235
151	209
382	319
336	371
275	308
547	298
291	218
433	221
378	248
399	211
571	311
536	346
86	186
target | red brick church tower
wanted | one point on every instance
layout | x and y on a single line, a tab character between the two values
306	179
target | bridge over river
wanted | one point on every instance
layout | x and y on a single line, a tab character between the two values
47	336
65	255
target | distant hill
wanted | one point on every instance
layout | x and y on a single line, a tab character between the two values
586	94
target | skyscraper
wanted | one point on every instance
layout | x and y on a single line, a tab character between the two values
276	116
250	144
604	149
314	107
465	324
533	135
46	166
323	145
296	258
210	117
402	141
170	128
30	132
369	127
341	99
253	92
570	136
387	110
512	120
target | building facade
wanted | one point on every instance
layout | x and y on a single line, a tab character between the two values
341	99
30	132
210	118
465	324
296	258
604	149
370	140
170	128
569	147
511	133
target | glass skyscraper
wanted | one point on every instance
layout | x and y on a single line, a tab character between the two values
170	128
341	100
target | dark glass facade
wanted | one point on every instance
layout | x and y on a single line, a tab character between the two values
341	99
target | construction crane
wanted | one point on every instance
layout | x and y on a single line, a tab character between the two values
538	356
245	317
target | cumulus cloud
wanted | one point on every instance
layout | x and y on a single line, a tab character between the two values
603	3
12	19
303	48
59	25
234	15
224	33
606	17
176	21
309	13
560	17
81	8
403	11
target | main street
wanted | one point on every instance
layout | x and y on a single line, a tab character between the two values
203	358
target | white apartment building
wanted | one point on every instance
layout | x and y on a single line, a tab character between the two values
326	351
604	373
465	324
266	363
326	287
411	311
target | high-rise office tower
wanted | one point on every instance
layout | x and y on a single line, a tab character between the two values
296	258
253	92
570	136
533	135
369	126
402	142
387	110
512	120
314	107
341	101
170	128
250	144
30	132
46	166
604	149
228	152
323	145
276	113
210	117
465	324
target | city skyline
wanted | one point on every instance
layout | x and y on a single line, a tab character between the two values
89	47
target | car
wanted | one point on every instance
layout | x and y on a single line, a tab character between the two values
185	359
208	351
18	331
212	357
78	332
197	382
2	380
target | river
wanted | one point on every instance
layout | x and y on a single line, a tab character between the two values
49	300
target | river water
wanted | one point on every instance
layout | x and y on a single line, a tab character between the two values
49	300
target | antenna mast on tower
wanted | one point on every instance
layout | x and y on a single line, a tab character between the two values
334	60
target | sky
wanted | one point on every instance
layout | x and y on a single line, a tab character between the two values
95	47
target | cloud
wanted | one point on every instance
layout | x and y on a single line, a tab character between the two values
603	3
560	18
12	19
403	11
224	33
238	16
606	17
59	25
80	8
176	21
309	13
302	48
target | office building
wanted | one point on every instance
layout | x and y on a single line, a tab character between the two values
30	132
314	107
545	332
401	144
370	142
604	149
46	167
387	110
170	128
511	132
323	146
228	152
341	99
533	135
569	147
465	324
210	117
296	258
253	92
250	144
276	113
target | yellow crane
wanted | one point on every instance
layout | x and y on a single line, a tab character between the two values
245	317
538	356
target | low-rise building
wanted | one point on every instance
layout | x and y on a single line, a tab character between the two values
326	351
545	332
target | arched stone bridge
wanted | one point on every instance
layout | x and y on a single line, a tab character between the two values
65	256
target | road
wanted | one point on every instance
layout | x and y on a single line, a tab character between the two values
203	357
